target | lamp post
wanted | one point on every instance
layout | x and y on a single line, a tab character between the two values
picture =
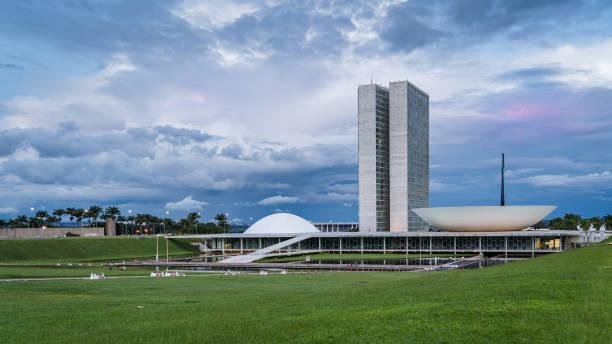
29	218
226	222
197	221
157	248
130	215
164	221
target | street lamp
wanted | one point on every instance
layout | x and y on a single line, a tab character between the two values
197	221
164	220
226	222
157	248
130	215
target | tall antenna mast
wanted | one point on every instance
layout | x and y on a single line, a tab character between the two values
503	197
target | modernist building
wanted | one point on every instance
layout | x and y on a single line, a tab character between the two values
282	233
373	123
393	157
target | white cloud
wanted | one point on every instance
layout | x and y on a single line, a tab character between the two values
186	204
212	14
8	210
334	197
275	200
564	180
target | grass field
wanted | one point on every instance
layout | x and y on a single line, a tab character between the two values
87	249
561	298
76	271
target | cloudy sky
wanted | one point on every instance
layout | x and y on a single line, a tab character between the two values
250	107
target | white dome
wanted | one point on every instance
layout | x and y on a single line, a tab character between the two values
485	218
281	223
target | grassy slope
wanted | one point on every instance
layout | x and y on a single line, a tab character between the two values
86	249
557	298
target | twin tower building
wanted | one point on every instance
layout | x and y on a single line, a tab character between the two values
393	157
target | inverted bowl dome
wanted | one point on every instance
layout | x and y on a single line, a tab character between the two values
484	218
281	223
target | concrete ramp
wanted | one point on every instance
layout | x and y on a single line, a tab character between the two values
264	252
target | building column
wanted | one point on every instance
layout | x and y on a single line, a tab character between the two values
455	245
506	247
361	245
319	243
259	244
430	244
384	244
340	243
532	247
223	246
480	244
241	247
406	244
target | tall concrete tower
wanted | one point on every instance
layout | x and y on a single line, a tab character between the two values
393	156
373	113
408	155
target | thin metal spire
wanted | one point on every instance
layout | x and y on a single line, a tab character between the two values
503	196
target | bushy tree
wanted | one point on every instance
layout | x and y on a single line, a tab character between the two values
571	221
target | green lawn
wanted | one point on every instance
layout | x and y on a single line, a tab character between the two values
354	256
87	249
560	298
75	271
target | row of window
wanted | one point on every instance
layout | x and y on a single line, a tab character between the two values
398	243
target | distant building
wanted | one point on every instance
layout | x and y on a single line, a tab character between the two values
393	157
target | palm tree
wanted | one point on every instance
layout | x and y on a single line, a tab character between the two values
94	212
22	219
112	212
59	213
79	214
72	213
222	221
192	220
42	216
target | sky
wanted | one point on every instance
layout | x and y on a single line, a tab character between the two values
250	107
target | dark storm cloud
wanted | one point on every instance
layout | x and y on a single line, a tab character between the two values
406	27
10	66
533	72
140	27
486	16
414	24
182	135
290	29
69	141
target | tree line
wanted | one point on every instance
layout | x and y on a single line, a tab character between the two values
142	223
572	221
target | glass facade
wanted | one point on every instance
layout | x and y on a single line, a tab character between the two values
397	243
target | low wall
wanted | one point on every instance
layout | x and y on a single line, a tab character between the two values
26	233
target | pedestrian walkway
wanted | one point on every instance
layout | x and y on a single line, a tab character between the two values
266	251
